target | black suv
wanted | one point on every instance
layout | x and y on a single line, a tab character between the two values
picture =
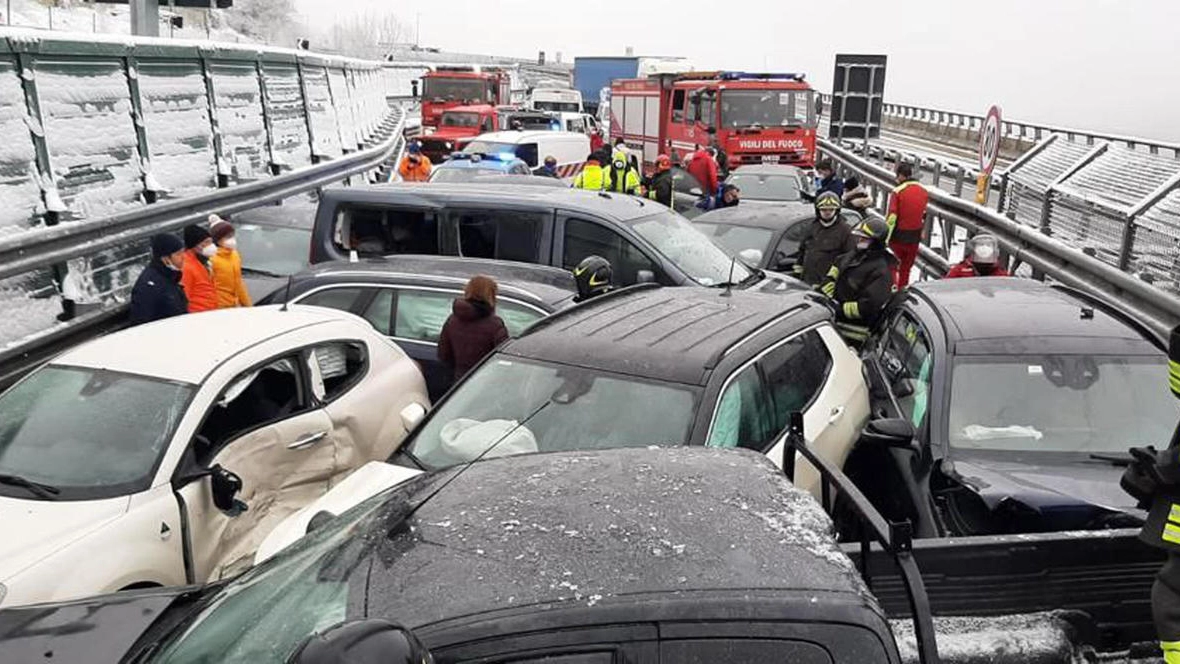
644	241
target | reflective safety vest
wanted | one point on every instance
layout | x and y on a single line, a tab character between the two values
592	177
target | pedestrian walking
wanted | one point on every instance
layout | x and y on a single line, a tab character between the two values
196	275
415	166
227	266
157	293
473	329
907	221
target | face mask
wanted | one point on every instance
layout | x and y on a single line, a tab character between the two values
209	251
230	243
171	266
862	245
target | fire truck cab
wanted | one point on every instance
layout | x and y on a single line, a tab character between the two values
755	118
448	87
460	124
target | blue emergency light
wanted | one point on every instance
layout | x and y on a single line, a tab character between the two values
740	75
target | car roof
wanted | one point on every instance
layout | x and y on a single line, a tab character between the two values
769	216
481	164
188	348
297	212
1012	315
618	207
526	136
538	283
598	530
767	169
669	334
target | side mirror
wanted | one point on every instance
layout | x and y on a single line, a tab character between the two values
645	277
696	191
225	486
412	415
372	641
751	257
896	432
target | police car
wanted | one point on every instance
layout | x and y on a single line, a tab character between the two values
463	167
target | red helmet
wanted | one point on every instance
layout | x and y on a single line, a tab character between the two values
663	162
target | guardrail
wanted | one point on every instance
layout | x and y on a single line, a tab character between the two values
1045	255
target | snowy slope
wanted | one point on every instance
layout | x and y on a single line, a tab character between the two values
75	16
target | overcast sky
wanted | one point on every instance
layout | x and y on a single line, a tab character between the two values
1109	65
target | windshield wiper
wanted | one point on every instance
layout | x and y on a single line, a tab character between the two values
1118	460
263	273
45	491
402	451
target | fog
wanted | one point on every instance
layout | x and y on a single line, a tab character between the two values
1107	65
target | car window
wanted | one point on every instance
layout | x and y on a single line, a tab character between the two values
745	651
91	432
684	182
577	658
796	372
342	299
380	311
743	417
383	231
421	314
678	106
340	365
906	358
586	238
503	234
269	393
516	316
788	244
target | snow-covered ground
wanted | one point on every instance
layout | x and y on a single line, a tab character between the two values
75	16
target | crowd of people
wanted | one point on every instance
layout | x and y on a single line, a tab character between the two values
201	272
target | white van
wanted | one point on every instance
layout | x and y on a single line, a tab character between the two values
579	123
569	148
557	100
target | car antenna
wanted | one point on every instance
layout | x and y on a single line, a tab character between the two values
729	281
287	292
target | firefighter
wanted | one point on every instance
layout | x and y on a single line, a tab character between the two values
593	176
907	221
593	277
828	239
860	283
982	259
622	178
1153	478
719	154
659	187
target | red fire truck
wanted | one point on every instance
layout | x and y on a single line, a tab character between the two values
448	87
462	123
758	118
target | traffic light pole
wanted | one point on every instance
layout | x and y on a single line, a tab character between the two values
145	18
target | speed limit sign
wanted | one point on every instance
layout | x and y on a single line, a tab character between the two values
989	140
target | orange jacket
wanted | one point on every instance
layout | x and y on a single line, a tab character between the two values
197	282
227	279
411	173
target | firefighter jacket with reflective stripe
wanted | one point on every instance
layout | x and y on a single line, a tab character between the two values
860	283
659	189
907	212
593	177
820	250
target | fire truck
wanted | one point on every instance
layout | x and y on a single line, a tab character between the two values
448	87
755	118
460	124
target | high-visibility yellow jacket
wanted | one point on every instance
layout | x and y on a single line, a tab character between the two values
592	177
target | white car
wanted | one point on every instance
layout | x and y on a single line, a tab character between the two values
163	454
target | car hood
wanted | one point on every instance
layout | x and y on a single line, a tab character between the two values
1068	488
368	480
450	134
35	529
97	629
777	282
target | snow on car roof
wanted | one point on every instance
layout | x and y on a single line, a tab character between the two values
583	529
187	348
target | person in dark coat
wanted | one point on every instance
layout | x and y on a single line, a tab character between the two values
549	169
828	239
828	181
157	293
473	329
860	284
659	186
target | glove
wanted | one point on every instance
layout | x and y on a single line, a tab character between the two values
1151	472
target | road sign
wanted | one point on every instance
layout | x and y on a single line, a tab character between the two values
989	140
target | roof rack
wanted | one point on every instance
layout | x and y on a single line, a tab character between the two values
585	305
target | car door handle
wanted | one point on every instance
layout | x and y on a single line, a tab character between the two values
308	440
836	414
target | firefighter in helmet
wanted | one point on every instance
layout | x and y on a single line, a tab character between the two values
659	187
981	259
593	277
828	239
860	284
1153	478
621	177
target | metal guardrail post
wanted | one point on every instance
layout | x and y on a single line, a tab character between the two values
131	71
1146	204
267	120
27	68
960	175
311	141
223	171
346	146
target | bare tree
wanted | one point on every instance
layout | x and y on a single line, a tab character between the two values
367	35
267	21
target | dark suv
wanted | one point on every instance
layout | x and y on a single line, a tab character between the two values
644	241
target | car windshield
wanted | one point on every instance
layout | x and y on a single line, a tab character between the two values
689	249
1060	403
452	119
766	108
765	187
273	249
466	89
557	106
736	239
89	432
524	151
462	174
551	408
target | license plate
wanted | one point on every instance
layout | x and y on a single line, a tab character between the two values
770	159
